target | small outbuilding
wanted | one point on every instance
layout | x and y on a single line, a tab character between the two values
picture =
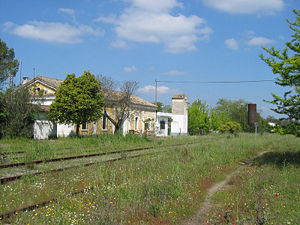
175	123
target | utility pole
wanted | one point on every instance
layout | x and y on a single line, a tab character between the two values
155	92
11	81
20	70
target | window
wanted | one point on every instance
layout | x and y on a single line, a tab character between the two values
147	126
84	127
104	122
162	124
148	123
136	123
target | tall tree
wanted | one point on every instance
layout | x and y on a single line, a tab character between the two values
199	118
120	100
286	64
8	65
122	103
237	111
78	101
17	113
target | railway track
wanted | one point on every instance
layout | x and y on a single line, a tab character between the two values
31	207
4	180
71	157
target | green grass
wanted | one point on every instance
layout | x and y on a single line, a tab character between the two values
270	187
164	188
62	147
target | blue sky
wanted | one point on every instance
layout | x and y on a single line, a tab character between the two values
144	40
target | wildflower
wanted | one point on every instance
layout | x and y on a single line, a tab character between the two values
10	199
276	195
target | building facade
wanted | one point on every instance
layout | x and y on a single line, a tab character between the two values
142	113
175	123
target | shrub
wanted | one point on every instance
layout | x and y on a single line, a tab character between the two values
230	127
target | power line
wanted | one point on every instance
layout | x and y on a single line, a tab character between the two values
215	82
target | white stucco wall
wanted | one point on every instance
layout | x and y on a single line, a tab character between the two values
179	125
44	101
161	132
43	129
64	130
161	116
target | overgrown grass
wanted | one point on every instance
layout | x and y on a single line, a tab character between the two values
61	147
163	188
267	193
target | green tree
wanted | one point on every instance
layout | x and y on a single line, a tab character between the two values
163	108
78	101
236	110
286	64
167	108
199	119
159	106
217	119
17	113
8	65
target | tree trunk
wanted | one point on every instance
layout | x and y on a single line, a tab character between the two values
77	130
117	129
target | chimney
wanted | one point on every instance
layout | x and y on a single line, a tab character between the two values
25	80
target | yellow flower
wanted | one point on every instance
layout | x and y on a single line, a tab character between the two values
36	214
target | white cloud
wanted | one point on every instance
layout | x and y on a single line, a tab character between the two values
129	69
119	44
149	89
258	41
174	73
232	44
156	5
108	19
67	11
52	32
151	22
246	6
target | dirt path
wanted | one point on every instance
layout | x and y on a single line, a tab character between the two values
206	206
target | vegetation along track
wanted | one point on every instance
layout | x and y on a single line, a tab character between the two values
4	180
43	203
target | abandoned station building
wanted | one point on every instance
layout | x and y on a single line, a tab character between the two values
143	115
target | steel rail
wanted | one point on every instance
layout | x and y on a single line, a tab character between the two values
6	215
84	156
4	180
70	157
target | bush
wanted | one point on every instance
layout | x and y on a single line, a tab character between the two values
17	113
230	127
